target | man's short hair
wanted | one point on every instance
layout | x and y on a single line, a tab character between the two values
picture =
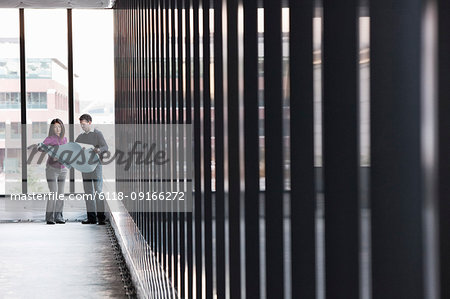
86	117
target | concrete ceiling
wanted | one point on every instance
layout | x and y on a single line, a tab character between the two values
56	3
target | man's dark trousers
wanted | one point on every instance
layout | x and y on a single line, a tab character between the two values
92	183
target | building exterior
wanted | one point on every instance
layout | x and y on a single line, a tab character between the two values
47	98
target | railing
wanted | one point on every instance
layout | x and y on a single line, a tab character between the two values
216	64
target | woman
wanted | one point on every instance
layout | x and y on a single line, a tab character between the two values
55	173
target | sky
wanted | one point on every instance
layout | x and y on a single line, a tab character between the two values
93	49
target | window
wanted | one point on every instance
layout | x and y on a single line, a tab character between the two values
46	75
15	100
39	129
61	102
37	100
9	100
15	130
2	100
2	130
93	45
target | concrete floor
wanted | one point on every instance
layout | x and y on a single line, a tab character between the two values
34	211
51	261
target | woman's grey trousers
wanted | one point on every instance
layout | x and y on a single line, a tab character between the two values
56	178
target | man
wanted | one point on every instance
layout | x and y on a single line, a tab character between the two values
93	181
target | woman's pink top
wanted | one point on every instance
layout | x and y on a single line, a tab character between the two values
54	140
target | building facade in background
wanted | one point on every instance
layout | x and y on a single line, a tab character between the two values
47	98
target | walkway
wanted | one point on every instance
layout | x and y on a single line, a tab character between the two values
51	261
